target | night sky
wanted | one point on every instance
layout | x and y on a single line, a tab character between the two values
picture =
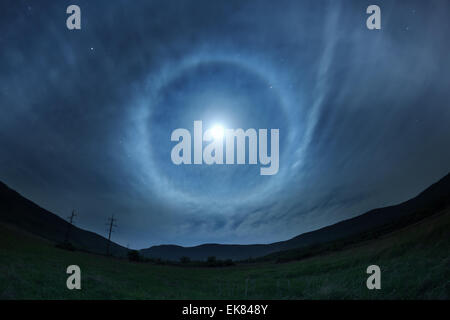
86	115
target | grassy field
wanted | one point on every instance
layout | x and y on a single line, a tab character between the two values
414	262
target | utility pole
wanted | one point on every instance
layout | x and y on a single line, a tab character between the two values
69	227
112	224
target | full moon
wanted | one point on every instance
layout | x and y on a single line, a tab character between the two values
217	132
223	93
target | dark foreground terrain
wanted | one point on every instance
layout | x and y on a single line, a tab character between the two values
17	211
414	262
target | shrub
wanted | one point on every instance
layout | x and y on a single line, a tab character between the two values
133	255
211	261
66	246
228	262
185	260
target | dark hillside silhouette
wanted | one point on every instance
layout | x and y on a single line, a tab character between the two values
20	212
24	214
434	198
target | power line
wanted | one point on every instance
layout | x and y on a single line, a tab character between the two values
112	224
70	225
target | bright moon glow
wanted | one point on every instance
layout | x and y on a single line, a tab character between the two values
217	132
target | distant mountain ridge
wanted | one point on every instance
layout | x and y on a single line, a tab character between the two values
437	194
24	214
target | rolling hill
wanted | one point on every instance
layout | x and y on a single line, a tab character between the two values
17	211
20	212
414	261
436	197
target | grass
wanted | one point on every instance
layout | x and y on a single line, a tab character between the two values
414	262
